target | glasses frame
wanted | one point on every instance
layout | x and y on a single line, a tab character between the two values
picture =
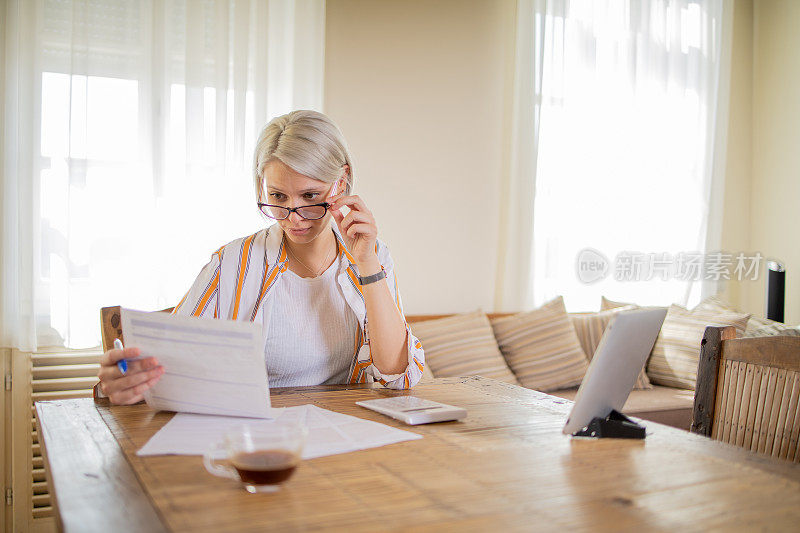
291	210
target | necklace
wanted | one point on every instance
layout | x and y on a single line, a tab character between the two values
315	272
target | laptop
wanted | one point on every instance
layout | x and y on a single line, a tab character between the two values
619	358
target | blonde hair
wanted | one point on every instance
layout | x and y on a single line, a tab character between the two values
306	141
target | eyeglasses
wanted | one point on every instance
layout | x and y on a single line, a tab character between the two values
308	212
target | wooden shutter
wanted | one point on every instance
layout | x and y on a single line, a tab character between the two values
55	375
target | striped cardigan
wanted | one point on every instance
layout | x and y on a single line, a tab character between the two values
236	285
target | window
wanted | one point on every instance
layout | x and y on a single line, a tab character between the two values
147	115
623	169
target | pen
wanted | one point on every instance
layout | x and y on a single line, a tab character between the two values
122	364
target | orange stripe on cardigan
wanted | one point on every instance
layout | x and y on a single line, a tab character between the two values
266	284
211	290
358	372
244	263
356	348
397	295
175	309
218	253
261	290
362	375
341	249
356	283
397	302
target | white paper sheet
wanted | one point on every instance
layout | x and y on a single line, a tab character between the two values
211	366
329	433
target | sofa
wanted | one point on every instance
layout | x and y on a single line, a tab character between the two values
548	349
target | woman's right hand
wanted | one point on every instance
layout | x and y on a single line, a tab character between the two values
128	388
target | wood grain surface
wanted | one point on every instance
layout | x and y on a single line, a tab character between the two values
87	472
506	467
707	376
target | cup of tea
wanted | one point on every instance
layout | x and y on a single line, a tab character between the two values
260	456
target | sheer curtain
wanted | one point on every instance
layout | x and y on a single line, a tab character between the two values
626	118
128	142
515	287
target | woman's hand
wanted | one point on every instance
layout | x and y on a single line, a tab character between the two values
358	229
388	338
128	388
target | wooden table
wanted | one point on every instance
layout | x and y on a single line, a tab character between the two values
506	467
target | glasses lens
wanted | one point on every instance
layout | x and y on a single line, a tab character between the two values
312	212
273	211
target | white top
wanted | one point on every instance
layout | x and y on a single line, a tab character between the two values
311	332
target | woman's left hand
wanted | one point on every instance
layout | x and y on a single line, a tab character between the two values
358	227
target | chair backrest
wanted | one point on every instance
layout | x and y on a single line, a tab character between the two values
111	325
748	392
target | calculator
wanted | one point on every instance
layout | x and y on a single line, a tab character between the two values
413	410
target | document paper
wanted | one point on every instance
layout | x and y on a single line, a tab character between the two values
329	432
210	366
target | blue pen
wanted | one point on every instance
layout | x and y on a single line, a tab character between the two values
122	364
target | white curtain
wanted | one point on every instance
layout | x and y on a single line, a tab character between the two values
624	143
515	290
129	132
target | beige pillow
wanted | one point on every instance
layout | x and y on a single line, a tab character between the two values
590	327
606	304
775	329
674	359
462	345
757	323
717	303
541	347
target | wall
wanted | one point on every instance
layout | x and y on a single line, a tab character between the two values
775	204
421	91
739	162
763	212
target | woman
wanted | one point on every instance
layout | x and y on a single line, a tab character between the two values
319	280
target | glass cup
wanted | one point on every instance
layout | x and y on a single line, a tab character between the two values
261	457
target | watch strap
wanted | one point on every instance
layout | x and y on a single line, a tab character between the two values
366	280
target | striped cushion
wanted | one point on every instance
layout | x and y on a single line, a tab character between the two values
718	303
756	322
606	304
541	347
462	345
769	330
674	359
590	328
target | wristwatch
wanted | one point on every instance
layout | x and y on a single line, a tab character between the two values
366	280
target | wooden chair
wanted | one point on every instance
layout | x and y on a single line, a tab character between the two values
111	325
748	392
